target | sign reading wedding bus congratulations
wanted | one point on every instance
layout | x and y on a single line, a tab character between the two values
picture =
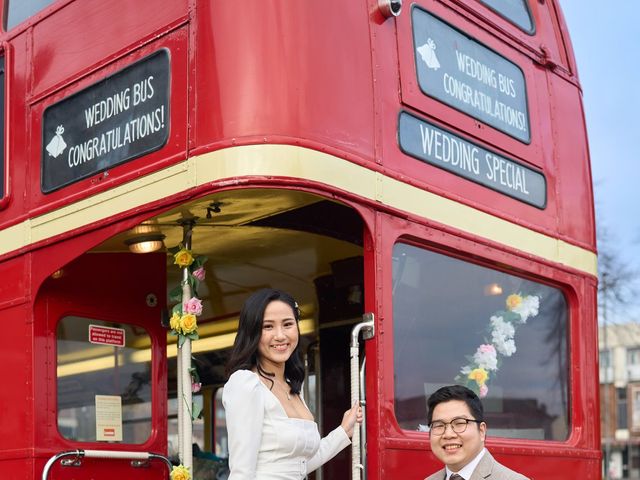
436	146
468	76
113	121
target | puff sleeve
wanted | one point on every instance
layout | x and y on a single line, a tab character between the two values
330	446
243	401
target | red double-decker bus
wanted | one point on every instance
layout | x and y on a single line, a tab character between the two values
422	165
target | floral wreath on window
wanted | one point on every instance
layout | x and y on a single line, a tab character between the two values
486	361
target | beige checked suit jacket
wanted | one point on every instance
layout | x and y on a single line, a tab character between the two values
487	469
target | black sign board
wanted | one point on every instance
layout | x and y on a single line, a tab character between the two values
458	71
111	122
450	152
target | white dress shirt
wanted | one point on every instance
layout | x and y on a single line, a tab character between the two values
466	471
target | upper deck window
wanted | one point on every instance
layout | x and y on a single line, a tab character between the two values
501	335
2	165
516	11
17	11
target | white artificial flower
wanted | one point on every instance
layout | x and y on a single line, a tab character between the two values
502	336
486	357
528	307
502	328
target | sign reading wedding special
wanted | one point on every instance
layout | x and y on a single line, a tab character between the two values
458	71
436	146
111	122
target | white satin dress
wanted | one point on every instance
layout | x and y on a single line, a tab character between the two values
264	443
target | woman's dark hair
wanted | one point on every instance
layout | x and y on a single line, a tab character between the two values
456	392
244	354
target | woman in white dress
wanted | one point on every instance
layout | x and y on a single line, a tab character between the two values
271	432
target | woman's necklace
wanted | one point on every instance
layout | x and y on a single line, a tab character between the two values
286	388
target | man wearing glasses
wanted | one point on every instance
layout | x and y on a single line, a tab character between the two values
457	433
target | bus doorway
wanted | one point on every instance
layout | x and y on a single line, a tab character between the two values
101	367
307	245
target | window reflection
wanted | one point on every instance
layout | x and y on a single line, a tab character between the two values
86	370
442	310
516	11
17	11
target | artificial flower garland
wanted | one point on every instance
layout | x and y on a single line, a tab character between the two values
183	320
486	361
184	324
180	473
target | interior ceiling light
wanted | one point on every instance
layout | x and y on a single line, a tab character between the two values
145	238
493	289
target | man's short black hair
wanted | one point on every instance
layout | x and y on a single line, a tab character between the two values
455	392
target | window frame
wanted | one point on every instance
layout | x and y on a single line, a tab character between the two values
475	262
577	288
5	184
152	394
501	14
30	16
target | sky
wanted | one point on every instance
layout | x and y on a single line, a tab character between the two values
606	45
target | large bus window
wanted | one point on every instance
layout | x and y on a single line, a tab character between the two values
516	11
104	388
17	11
503	336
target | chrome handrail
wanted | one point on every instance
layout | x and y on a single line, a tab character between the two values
109	454
368	329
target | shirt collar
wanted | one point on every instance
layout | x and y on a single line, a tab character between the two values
466	471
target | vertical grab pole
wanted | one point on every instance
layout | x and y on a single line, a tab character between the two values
367	327
185	427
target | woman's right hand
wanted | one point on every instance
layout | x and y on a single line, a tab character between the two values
350	418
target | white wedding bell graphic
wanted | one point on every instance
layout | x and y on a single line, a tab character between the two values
57	144
428	54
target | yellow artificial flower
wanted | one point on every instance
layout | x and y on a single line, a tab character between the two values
188	324
183	258
513	301
174	322
480	375
180	473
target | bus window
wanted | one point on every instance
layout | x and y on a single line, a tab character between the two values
104	389
516	11
503	336
220	427
17	11
3	169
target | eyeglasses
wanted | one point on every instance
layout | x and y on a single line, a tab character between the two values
458	425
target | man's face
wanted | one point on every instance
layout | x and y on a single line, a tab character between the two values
456	449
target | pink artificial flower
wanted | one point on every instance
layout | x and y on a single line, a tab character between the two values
199	274
483	391
487	348
193	306
195	387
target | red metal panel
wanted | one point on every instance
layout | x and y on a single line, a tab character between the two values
299	70
176	43
84	34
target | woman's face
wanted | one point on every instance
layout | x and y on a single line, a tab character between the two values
279	334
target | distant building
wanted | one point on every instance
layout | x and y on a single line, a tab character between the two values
620	399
